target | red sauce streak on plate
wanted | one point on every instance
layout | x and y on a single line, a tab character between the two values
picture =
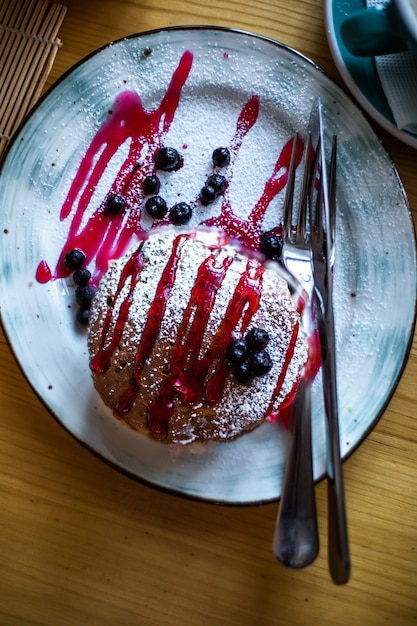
103	237
248	230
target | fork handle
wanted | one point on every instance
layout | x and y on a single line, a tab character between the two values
296	540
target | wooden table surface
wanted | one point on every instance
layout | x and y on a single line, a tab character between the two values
81	543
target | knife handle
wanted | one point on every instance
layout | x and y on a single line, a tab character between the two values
338	548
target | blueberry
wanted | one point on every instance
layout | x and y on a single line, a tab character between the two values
83	295
156	206
257	339
271	246
244	372
221	157
81	276
261	362
83	315
207	195
218	182
168	159
236	351
181	213
151	184
74	259
115	204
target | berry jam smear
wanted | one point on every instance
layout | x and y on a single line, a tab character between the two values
104	234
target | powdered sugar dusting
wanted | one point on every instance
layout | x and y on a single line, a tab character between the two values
240	407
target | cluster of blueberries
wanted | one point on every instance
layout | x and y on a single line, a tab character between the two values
74	261
248	356
169	160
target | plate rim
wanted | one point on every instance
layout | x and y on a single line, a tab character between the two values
175	491
146	33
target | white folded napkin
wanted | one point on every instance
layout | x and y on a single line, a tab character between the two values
398	76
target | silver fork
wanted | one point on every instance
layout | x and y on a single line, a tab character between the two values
296	540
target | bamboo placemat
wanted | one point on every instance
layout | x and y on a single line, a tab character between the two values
28	46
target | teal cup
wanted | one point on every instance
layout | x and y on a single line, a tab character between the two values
374	32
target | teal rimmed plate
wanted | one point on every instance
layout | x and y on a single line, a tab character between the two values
375	267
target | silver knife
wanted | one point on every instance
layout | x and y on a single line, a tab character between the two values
322	258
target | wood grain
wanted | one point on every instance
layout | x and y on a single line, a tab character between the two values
82	544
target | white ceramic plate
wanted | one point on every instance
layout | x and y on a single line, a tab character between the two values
375	271
360	73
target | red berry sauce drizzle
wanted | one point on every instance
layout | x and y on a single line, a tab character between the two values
193	375
103	237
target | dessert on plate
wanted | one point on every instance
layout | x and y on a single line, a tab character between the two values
192	339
